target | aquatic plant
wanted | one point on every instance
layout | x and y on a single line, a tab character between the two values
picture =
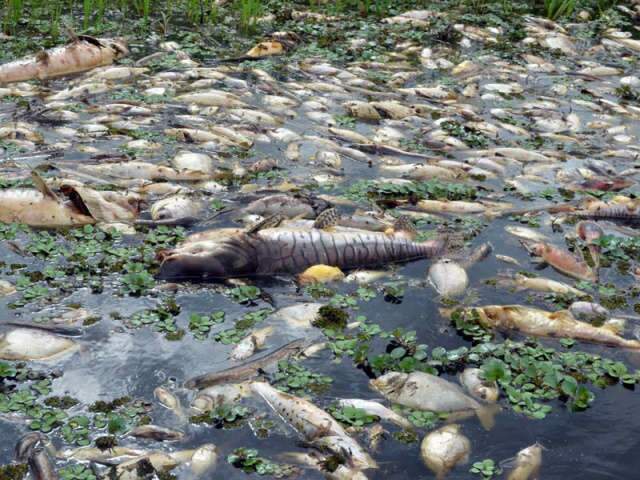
556	9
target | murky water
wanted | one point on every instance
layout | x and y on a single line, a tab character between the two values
115	361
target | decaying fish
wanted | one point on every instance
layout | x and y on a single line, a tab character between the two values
204	459
377	409
443	449
563	261
424	391
249	344
246	370
81	54
169	400
314	424
519	281
282	251
527	463
155	432
540	323
448	278
474	383
34	344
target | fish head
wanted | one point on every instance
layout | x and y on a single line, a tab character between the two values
389	383
207	260
118	46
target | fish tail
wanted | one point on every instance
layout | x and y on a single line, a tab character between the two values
486	414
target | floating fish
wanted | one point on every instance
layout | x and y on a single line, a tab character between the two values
81	54
527	463
377	409
443	449
424	391
282	251
540	323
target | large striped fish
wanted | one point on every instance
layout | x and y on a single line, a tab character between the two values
288	251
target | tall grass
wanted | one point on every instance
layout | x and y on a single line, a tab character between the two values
556	9
250	10
87	14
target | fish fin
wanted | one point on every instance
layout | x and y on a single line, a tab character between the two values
615	325
404	225
269	222
326	219
42	186
486	414
42	57
91	40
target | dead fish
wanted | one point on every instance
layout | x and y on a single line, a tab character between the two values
589	312
424	391
320	274
444	448
275	251
563	261
298	316
448	278
6	288
289	206
539	284
30	344
155	432
36	209
226	393
176	208
526	233
314	424
540	323
590	233
527	463
169	400
204	459
246	370
249	344
365	277
377	409
479	388
82	53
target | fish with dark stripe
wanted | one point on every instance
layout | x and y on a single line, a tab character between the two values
275	251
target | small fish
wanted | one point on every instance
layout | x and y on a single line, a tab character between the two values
563	261
527	463
444	448
589	312
377	409
471	379
590	232
448	278
204	459
526	233
249	344
169	400
507	259
156	433
539	284
424	391
365	277
246	370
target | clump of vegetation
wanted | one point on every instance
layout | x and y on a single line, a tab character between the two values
14	472
248	460
486	468
294	378
224	416
352	416
331	317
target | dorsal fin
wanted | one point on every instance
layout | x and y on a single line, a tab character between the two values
326	219
405	225
42	187
269	222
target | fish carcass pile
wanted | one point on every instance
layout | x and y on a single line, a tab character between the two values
218	269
